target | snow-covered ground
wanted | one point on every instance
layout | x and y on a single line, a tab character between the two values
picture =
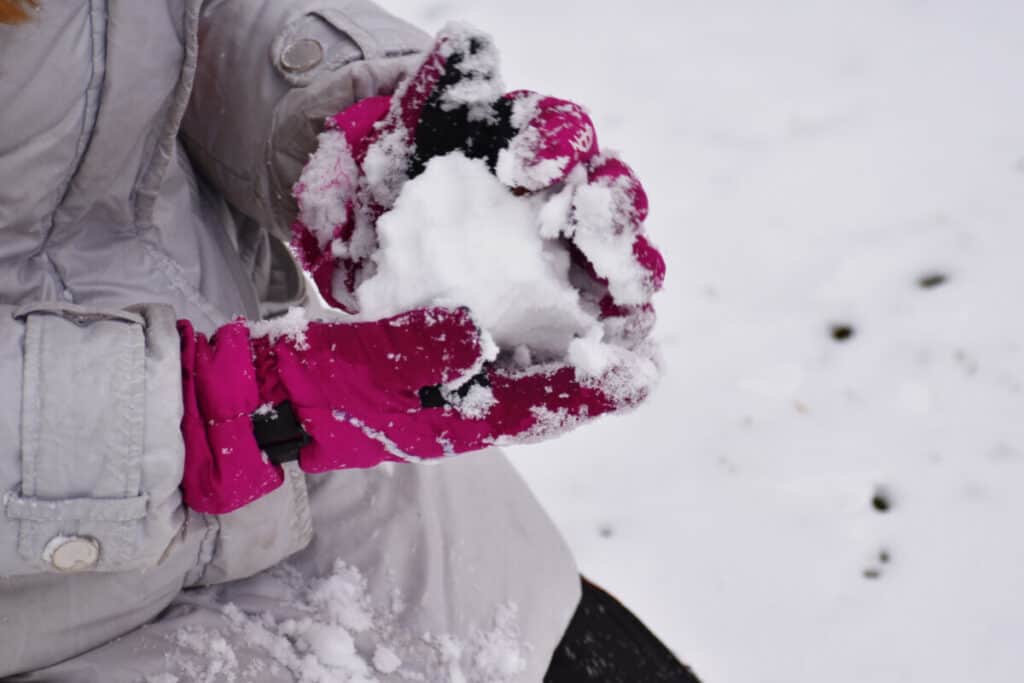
810	165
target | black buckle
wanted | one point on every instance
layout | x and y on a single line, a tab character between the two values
279	433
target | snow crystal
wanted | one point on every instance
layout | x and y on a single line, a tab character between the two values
292	325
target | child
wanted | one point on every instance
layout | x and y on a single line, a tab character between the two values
154	444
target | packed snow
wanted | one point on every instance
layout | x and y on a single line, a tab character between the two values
838	189
458	237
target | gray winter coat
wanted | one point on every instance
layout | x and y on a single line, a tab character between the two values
146	148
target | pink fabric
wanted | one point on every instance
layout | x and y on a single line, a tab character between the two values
357	124
224	467
356	390
558	130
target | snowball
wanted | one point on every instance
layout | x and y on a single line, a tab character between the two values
458	237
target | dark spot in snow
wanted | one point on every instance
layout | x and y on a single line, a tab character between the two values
932	280
966	361
605	531
884	556
841	332
872	573
881	500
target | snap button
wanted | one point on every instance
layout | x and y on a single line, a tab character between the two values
302	55
72	553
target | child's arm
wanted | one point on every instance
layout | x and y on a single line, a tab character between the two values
268	74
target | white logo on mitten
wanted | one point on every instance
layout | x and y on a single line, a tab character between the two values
583	140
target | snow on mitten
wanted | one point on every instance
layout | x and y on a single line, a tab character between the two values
332	396
533	144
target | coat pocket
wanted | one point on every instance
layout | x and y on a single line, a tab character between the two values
100	451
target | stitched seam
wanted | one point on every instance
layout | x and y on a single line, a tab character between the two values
31	406
90	114
134	406
175	277
148	187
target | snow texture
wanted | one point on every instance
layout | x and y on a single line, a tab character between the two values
481	84
837	188
336	637
326	188
458	237
518	165
291	326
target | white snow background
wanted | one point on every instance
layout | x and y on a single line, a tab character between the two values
808	163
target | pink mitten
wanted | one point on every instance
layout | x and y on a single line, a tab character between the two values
330	395
455	102
335	396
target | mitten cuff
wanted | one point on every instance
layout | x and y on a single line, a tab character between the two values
224	466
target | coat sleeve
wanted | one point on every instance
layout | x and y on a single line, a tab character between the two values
269	72
99	389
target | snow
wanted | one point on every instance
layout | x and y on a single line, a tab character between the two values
809	165
337	637
291	326
481	84
458	237
327	184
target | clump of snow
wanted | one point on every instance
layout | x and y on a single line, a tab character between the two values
499	652
336	637
598	210
513	169
385	164
326	187
457	237
385	660
292	326
475	403
480	86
